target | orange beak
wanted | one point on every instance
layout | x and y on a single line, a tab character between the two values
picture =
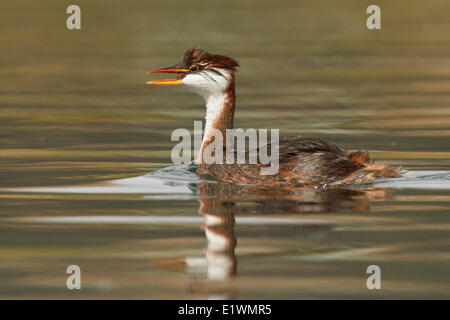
176	82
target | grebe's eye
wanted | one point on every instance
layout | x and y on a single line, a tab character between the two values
193	68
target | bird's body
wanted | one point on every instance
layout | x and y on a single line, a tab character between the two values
303	162
306	162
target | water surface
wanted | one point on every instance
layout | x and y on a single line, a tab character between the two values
75	112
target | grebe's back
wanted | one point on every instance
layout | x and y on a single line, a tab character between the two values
307	162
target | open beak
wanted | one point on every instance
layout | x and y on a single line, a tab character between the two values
181	72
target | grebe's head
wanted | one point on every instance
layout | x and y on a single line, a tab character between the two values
204	73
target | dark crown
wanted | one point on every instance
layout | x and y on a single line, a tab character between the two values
201	57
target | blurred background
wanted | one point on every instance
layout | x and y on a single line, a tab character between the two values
74	109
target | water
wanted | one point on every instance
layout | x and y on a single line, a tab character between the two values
82	139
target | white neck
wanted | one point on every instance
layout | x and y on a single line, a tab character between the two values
218	92
214	107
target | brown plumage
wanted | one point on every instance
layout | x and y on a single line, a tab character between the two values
306	162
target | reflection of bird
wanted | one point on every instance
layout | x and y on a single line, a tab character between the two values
221	202
212	272
302	161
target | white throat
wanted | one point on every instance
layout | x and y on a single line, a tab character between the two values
211	85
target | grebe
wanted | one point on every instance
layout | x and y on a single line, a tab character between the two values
303	162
